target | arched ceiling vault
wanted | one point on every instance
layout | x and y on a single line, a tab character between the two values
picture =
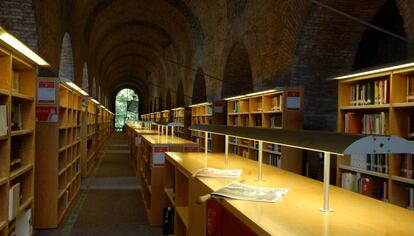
120	38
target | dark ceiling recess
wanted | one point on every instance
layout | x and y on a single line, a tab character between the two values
168	100
199	87
237	77
377	48
180	95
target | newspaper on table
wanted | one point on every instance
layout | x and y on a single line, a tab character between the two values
218	173
242	191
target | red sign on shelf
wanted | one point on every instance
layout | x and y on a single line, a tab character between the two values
190	149
158	155
293	100
46	91
47	113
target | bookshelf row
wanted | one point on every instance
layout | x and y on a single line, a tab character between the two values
278	108
17	140
378	102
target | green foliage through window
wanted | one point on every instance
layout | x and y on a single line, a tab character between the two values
126	107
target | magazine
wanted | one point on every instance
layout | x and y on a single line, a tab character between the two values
218	173
242	191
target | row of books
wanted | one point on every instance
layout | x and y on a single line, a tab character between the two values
369	186
366	123
276	103
244	121
370	92
372	162
276	121
410	88
407	165
275	160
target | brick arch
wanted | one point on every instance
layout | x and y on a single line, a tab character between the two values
94	88
199	87
85	80
18	18
237	77
66	70
377	48
326	46
179	101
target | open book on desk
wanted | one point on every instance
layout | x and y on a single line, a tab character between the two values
237	190
217	173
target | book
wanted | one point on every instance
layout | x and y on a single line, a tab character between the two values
353	123
16	117
16	82
237	190
347	181
366	186
14	200
3	120
168	220
24	224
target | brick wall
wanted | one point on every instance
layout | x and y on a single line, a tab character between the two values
19	19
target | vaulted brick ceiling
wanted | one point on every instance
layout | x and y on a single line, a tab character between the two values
127	41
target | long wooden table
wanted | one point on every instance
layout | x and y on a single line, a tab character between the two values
151	170
297	213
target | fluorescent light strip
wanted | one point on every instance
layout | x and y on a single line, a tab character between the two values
75	87
200	104
375	71
20	47
235	97
95	101
251	94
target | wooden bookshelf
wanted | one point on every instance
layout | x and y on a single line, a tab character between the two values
134	135
166	116
151	170
88	156
158	116
209	113
362	215
378	103
182	115
279	108
17	137
58	153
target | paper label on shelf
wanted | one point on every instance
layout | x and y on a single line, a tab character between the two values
138	140
46	91
191	149
218	109
293	100
47	114
158	155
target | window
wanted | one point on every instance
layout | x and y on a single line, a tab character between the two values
126	107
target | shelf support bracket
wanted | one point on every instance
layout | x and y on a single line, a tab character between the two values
326	173
206	142
260	160
226	150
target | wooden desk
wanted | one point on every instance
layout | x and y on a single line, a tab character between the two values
298	213
151	170
136	147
